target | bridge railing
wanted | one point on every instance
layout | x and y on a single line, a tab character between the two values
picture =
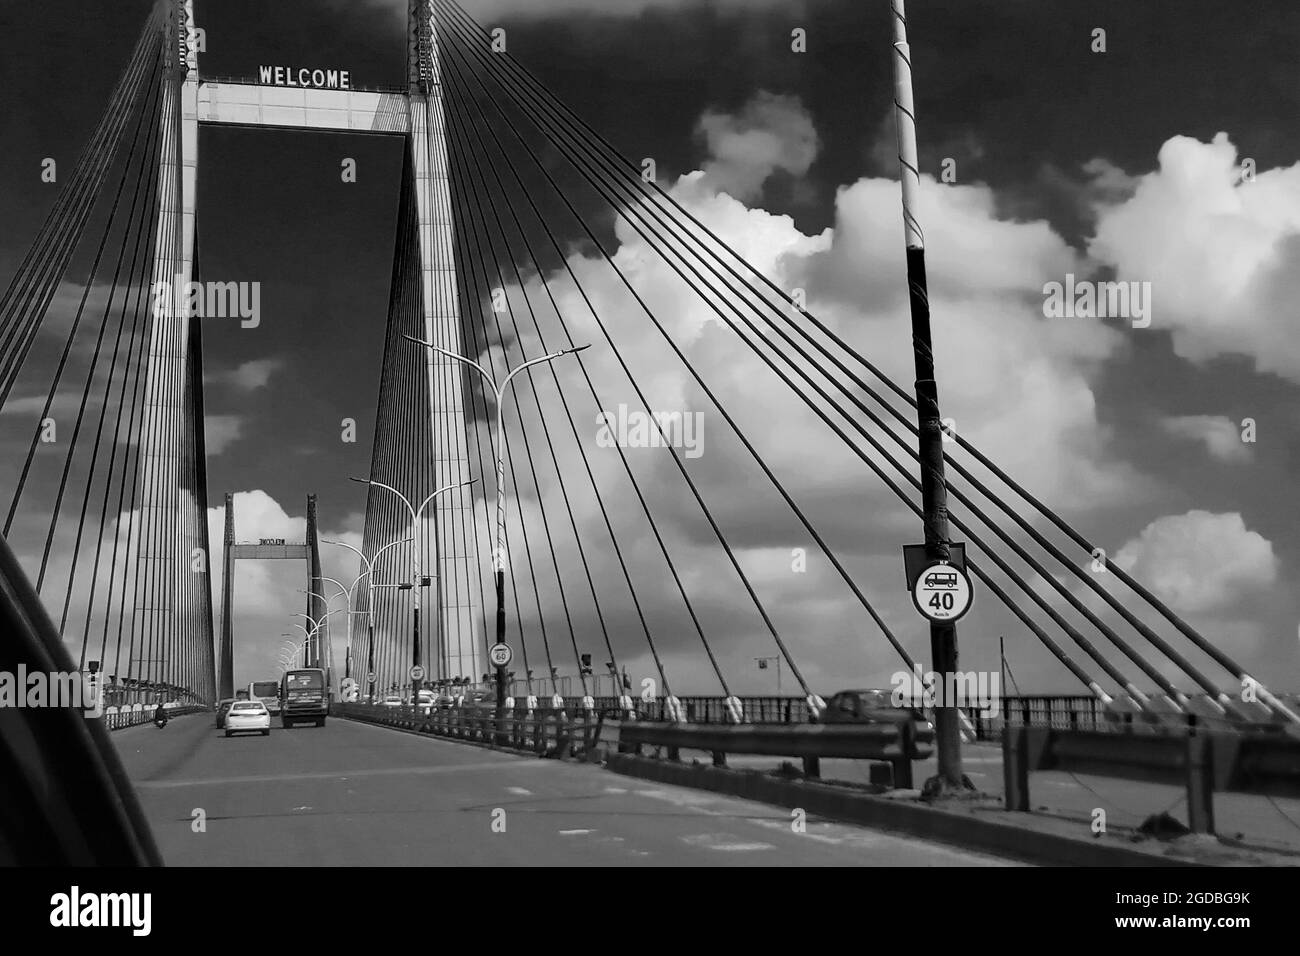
893	743
1260	763
1078	712
118	718
547	732
708	710
1087	713
570	732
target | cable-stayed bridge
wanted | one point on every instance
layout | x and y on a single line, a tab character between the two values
522	354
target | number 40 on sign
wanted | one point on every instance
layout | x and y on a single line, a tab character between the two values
942	592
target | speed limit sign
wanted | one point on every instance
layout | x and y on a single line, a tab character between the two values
500	655
370	677
416	672
942	592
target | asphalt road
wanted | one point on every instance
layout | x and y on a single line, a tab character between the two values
351	793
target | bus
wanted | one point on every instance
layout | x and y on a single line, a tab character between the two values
303	698
268	692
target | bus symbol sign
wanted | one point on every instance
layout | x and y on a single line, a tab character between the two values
942	593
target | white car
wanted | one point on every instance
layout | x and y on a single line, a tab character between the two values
392	700
246	716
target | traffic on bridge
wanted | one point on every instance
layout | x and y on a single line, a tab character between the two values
540	450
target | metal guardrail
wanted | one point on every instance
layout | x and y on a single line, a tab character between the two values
1203	763
894	744
1087	713
1061	712
706	710
133	718
547	732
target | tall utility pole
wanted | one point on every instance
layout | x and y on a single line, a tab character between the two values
934	492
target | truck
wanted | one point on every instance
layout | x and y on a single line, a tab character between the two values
268	692
303	698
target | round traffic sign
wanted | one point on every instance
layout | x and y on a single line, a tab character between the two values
501	655
370	677
416	672
942	592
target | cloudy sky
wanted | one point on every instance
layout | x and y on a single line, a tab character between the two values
1170	158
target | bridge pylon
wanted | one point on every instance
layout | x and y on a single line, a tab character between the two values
268	549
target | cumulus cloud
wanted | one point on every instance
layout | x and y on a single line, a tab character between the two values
1221	436
248	376
770	133
1020	386
1200	561
1222	254
221	431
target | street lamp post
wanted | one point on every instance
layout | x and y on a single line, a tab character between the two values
348	594
329	671
370	618
498	554
418	581
311	634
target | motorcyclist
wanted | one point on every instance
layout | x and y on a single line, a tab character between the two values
160	715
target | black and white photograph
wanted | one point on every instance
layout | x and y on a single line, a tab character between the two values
673	434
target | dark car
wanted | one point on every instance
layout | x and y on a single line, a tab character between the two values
223	708
877	706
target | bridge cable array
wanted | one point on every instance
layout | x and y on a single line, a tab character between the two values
724	281
108	507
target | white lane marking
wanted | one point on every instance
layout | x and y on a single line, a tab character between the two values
574	832
861	840
844	835
724	842
682	798
340	774
520	791
615	790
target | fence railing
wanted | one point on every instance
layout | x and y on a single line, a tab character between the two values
892	743
571	732
119	718
546	732
1200	762
709	710
1087	713
1058	712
